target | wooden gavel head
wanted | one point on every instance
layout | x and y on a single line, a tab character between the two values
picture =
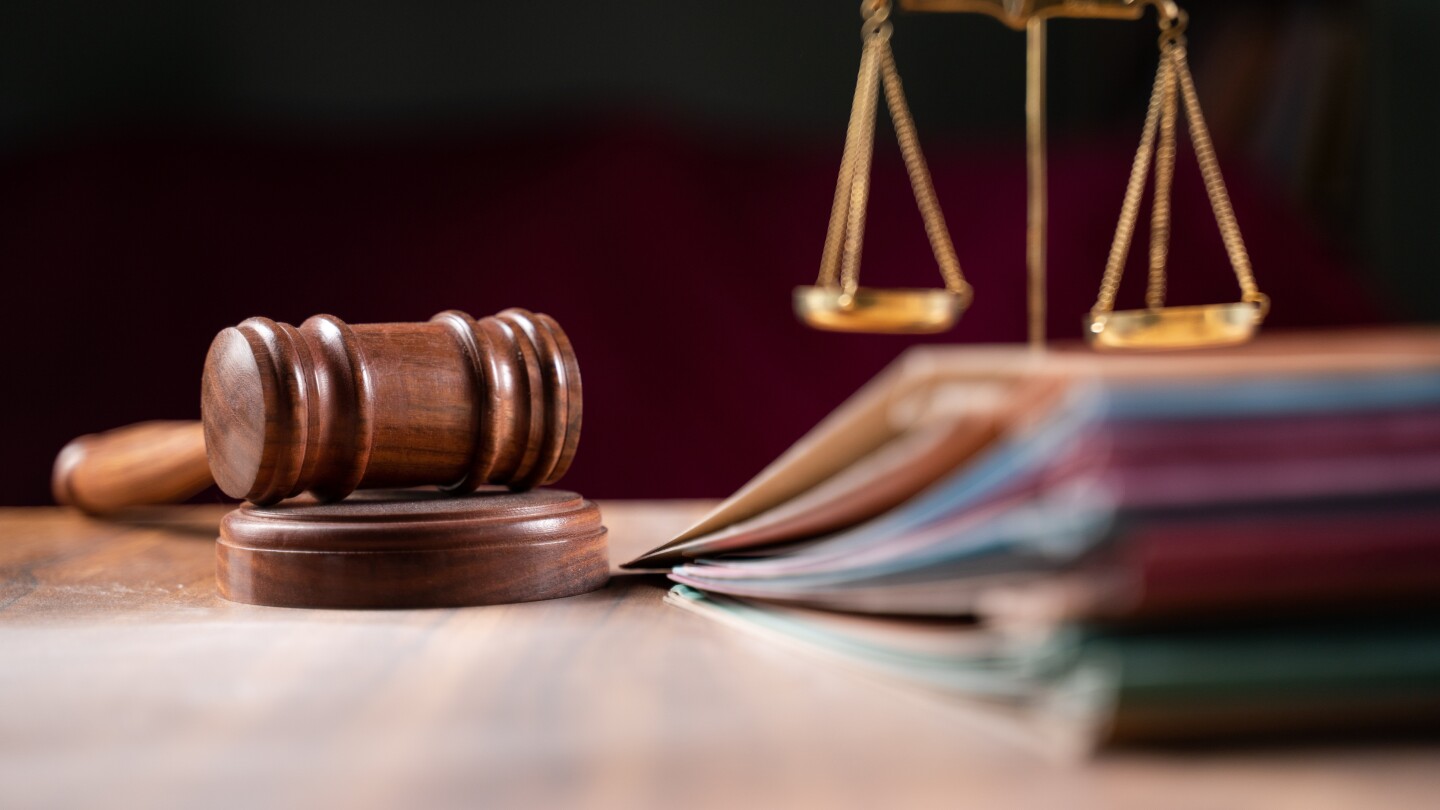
330	407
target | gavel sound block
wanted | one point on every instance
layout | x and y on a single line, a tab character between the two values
330	408
413	548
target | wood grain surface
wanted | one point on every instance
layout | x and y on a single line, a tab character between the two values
126	681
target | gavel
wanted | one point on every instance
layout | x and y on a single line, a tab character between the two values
329	407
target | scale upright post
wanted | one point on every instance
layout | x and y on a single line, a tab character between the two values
1031	16
1038	197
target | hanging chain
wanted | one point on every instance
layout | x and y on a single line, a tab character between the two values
925	199
1173	84
1215	185
844	239
1160	220
1130	208
859	196
839	209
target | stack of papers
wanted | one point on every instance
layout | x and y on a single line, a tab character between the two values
1232	542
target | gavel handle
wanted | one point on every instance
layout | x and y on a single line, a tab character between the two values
136	465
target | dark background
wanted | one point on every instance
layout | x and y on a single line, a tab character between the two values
656	174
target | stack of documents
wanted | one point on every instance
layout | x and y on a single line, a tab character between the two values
1145	547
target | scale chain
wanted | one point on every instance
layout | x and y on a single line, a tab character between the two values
860	181
1173	84
1160	218
835	234
1215	184
844	238
1130	208
925	199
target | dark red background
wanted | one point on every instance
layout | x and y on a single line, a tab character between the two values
668	255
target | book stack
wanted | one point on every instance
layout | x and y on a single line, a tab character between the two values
1111	548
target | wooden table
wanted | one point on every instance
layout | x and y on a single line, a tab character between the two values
125	680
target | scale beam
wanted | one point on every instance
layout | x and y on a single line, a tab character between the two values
1017	13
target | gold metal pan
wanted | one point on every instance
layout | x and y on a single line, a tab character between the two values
1169	328
903	311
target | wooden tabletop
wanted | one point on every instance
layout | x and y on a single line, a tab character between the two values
125	680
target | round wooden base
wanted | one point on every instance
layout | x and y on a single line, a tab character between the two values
413	549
